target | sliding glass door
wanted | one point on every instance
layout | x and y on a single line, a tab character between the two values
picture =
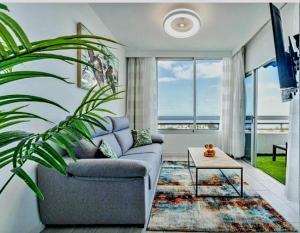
266	122
250	121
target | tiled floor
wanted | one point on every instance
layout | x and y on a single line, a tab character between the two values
270	189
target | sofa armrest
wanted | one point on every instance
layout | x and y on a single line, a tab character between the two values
157	138
108	168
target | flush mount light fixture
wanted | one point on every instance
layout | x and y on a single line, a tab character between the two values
182	23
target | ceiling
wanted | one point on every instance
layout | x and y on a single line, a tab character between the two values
225	26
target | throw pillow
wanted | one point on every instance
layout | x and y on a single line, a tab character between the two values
141	137
106	150
85	149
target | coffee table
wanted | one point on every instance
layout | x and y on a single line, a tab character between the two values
220	161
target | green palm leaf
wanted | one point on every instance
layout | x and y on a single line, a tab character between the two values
47	147
9	137
39	161
13	25
9	161
9	99
19	75
27	179
47	157
11	123
16	49
17	60
8	39
8	116
90	37
3	7
3	52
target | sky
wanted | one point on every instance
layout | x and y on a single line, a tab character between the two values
269	96
175	89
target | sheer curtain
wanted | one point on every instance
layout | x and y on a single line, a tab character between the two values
141	93
292	173
232	138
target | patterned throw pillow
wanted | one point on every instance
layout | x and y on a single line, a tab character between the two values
141	137
106	150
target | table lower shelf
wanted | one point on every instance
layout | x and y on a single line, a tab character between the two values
239	193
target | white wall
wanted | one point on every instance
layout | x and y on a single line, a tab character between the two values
174	54
176	144
18	206
265	142
261	48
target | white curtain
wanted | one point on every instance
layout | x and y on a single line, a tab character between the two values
292	173
232	138
141	93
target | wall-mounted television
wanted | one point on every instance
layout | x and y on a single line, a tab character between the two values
287	62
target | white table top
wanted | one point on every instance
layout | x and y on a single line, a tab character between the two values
219	161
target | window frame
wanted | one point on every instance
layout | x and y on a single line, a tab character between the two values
194	130
284	119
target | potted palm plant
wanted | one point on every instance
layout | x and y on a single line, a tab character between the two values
17	147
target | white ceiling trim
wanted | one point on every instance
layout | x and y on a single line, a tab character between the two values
145	1
174	54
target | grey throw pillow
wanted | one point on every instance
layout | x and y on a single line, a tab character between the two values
85	149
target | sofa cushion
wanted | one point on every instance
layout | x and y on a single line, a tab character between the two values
85	149
125	139
119	123
157	138
98	131
112	141
152	160
108	168
152	148
141	137
106	151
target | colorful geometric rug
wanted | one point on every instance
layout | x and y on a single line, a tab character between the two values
175	207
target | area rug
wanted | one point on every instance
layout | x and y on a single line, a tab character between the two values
175	207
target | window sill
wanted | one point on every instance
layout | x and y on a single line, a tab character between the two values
186	131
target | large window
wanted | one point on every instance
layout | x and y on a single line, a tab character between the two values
271	111
208	93
189	93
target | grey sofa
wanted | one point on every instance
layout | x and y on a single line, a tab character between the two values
103	191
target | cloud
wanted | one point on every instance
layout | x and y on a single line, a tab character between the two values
178	71
167	65
264	108
183	72
166	79
209	70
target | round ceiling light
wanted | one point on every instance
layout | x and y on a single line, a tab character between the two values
182	23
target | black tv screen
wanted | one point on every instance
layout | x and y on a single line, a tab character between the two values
287	76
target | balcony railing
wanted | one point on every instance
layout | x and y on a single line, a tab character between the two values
265	124
268	124
188	123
